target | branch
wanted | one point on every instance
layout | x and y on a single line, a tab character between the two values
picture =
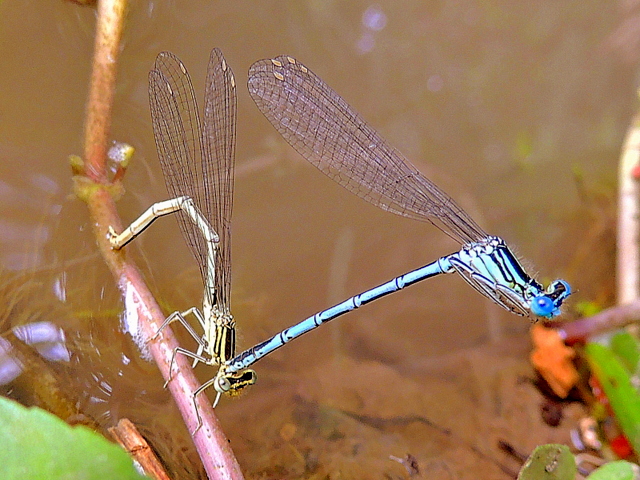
92	186
609	319
628	255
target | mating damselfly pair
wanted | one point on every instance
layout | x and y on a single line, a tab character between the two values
197	158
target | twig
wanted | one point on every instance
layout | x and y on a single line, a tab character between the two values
611	318
128	436
92	186
628	254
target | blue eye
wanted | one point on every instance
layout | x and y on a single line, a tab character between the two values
559	290
543	306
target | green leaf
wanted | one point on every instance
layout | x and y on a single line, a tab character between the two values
620	470
587	309
549	462
616	383
625	346
38	445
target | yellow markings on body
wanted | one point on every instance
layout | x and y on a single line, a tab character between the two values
278	75
276	62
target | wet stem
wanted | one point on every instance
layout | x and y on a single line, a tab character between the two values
92	185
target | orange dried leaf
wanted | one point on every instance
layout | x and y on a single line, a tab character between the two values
553	359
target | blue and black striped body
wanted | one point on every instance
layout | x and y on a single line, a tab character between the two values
488	266
320	125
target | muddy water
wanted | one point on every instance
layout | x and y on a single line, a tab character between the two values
499	105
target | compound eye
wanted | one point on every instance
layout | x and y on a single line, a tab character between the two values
559	290
223	385
543	306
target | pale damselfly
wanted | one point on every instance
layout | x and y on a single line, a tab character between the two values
328	132
197	159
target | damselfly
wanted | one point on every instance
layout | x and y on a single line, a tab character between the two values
197	159
328	132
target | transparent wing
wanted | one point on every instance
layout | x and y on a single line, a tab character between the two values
197	159
219	142
329	133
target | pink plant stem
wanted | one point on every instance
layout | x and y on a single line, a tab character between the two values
611	318
94	187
